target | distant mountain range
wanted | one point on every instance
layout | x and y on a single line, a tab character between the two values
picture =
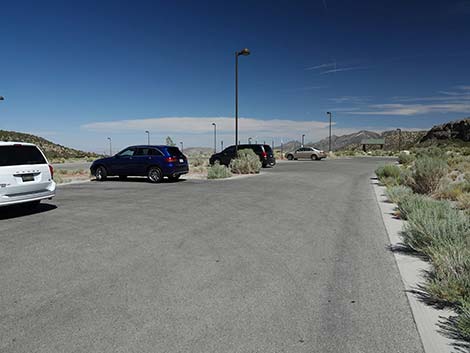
353	141
50	149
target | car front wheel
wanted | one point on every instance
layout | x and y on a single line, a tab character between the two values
155	175
101	173
290	157
314	157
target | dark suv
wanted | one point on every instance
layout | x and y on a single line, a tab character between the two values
264	152
154	162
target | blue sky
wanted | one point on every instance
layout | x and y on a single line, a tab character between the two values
77	72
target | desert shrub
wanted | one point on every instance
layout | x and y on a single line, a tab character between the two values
462	324
449	280
198	162
405	158
397	193
432	152
247	162
434	224
218	171
409	203
463	201
388	174
452	191
427	174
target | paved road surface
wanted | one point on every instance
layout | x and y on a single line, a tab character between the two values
294	260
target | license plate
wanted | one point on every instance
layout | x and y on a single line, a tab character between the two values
181	160
28	177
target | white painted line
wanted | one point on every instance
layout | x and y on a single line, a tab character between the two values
411	270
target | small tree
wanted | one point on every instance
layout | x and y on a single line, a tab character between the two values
169	141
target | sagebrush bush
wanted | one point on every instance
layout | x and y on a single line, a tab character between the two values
389	174
397	193
247	162
405	158
218	171
463	201
463	321
449	280
411	202
434	224
427	174
452	191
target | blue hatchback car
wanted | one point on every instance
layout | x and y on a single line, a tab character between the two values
154	162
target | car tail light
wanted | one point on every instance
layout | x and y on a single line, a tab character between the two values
171	159
264	154
51	169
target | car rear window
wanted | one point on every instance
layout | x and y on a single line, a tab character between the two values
174	151
20	155
267	149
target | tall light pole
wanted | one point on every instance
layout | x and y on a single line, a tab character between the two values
182	146
329	138
243	52
303	137
215	137
110	147
399	140
221	145
148	136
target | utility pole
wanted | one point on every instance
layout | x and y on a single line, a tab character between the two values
182	146
329	139
148	137
215	137
110	147
399	140
221	145
303	137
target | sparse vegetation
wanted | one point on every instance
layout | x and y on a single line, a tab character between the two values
437	210
247	162
218	171
405	158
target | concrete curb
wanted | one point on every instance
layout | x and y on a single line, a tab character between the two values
411	269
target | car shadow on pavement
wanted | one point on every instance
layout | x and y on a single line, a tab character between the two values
138	180
16	211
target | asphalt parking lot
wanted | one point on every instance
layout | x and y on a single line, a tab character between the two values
294	260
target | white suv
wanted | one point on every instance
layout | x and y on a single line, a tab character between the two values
25	174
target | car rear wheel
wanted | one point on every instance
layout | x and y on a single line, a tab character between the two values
154	175
101	173
290	157
314	157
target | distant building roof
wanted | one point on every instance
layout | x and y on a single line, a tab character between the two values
373	142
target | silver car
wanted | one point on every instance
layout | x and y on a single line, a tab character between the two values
306	153
25	175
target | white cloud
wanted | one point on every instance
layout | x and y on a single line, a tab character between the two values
321	66
342	69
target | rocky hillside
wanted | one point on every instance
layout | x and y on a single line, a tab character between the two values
454	130
51	150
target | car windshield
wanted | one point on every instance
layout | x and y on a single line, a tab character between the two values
20	155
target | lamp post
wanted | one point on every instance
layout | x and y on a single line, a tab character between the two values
215	137
243	52
182	146
399	140
2	98
110	147
148	136
329	138
303	137
249	140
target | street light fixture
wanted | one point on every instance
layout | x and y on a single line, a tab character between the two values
110	147
329	138
182	146
249	140
2	98
215	137
244	52
148	137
